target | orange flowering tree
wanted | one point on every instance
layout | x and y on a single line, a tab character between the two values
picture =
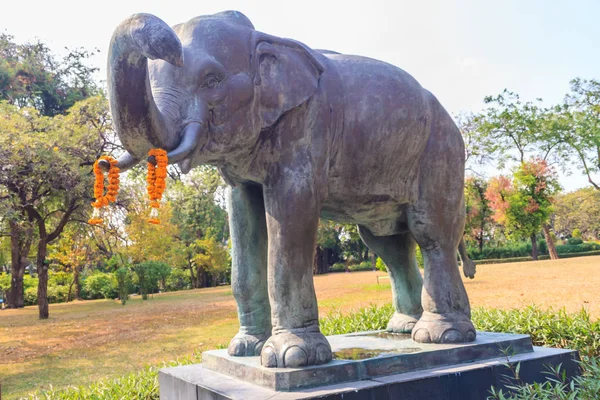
524	205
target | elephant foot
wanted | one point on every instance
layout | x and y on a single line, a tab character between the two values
244	345
401	323
469	269
443	328
298	348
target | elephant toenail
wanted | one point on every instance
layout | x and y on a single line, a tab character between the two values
421	336
409	327
323	354
452	336
237	347
295	357
471	335
268	358
258	347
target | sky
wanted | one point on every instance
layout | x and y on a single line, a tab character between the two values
461	50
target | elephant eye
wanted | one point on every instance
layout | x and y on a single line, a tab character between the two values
210	81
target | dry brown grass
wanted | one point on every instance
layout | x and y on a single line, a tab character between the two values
86	341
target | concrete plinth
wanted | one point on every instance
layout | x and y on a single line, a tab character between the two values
371	365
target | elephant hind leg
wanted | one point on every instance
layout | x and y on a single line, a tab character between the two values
398	254
436	221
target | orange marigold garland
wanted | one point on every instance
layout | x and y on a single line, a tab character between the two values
102	200
156	182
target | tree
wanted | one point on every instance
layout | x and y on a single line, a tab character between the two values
328	249
38	86
46	179
581	117
31	76
213	258
150	273
524	205
70	253
198	210
479	213
578	210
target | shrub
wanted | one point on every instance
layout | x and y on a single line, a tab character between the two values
338	267
123	283
149	273
179	279
101	285
4	284
574	241
419	256
363	266
30	296
380	265
576	234
137	385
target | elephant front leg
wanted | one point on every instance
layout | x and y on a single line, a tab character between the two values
249	269
292	219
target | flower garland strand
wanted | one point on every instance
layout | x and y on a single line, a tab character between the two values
156	182
102	200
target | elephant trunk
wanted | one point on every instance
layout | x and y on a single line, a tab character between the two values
137	120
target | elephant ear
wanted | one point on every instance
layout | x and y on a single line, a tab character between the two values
286	74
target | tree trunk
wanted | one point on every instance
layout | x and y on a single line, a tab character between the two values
550	242
20	243
320	264
374	261
42	268
481	228
77	283
534	249
192	277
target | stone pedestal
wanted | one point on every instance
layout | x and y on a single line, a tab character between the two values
371	365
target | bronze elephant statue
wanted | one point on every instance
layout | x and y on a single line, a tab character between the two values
301	134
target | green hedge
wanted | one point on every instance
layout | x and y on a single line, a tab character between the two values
524	250
542	257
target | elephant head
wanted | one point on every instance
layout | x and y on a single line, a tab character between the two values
203	90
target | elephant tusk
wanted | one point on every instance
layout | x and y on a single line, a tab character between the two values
125	162
189	141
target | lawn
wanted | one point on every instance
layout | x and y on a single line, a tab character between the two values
85	341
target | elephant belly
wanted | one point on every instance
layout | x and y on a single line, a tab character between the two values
374	163
380	214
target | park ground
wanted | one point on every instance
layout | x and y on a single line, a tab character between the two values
90	340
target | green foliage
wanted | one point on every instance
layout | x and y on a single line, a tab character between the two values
419	256
510	250
338	267
542	257
576	235
123	277
101	285
478	211
137	385
362	266
574	241
179	279
364	319
149	274
547	327
31	76
4	284
199	205
380	265
580	126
